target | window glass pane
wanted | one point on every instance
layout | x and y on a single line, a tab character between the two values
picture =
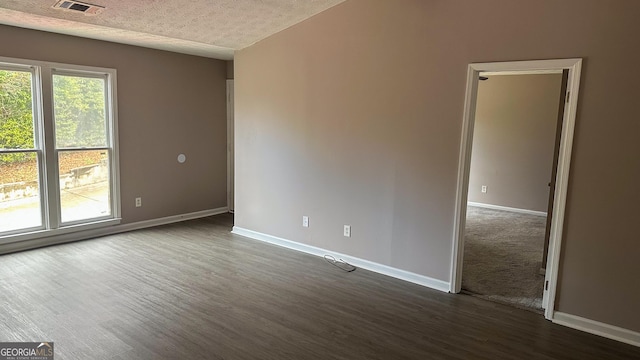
16	110
79	107
84	185
19	192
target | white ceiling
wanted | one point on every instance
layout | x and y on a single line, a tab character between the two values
211	28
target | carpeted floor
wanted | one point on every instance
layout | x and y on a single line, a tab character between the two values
502	257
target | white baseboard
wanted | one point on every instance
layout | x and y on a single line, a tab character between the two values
506	208
597	328
104	231
173	219
365	264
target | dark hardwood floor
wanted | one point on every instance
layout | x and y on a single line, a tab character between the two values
194	291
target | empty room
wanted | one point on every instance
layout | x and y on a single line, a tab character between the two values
299	179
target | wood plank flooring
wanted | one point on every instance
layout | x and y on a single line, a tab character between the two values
194	291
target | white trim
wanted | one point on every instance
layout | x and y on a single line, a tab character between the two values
173	219
48	233
561	186
112	89
66	236
531	72
506	208
562	178
462	185
230	145
365	264
597	328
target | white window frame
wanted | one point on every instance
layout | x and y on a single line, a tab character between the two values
44	142
38	142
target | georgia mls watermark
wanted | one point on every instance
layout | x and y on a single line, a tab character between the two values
26	351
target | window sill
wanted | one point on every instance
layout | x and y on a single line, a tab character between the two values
85	228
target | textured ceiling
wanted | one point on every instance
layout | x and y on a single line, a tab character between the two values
212	28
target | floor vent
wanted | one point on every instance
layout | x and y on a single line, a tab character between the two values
78	6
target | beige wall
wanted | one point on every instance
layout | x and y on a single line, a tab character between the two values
167	104
354	117
513	140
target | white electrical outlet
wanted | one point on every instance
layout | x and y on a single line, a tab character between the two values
347	230
305	221
138	202
484	188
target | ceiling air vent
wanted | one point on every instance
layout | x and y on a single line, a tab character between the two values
78	6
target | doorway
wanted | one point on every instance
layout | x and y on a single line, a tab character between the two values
559	184
515	126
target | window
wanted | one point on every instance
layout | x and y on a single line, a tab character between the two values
58	157
20	158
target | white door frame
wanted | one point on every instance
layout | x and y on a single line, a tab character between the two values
562	178
230	146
